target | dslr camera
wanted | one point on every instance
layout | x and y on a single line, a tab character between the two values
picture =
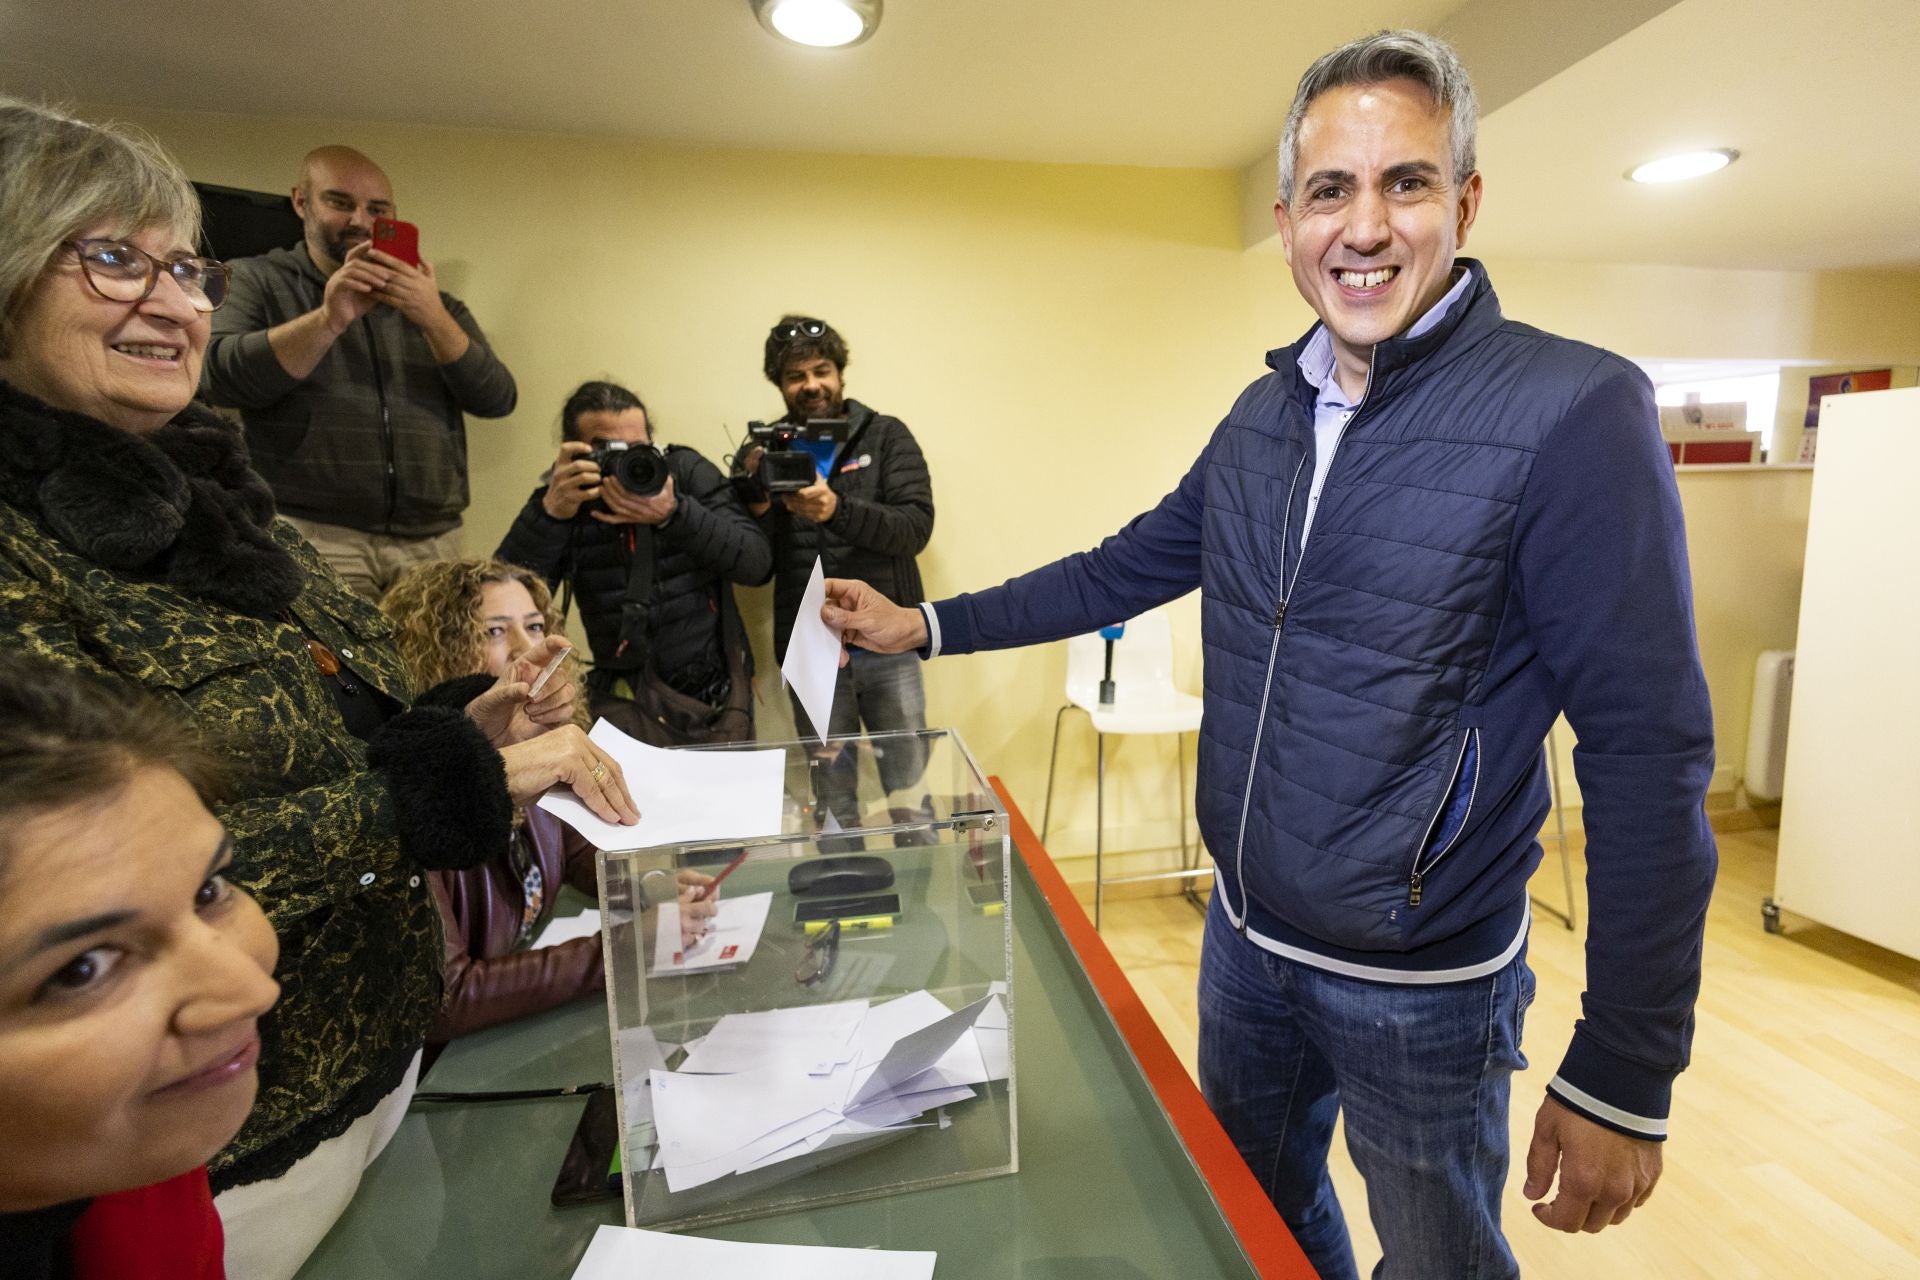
787	465
641	469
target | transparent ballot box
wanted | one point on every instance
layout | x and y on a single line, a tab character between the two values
843	1028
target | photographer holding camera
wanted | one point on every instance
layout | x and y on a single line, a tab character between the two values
866	509
650	538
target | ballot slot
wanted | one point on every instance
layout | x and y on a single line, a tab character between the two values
849	1045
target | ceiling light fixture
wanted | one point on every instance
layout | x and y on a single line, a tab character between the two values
824	24
1688	164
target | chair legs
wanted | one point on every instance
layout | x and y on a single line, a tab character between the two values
1189	861
1053	762
1189	854
1099	824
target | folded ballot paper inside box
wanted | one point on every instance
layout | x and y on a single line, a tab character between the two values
861	1045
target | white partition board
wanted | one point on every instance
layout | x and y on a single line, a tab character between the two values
1850	817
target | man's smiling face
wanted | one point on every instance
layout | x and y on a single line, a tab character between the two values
1376	215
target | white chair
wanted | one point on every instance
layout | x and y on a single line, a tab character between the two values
1145	702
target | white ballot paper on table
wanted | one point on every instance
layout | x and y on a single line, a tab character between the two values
566	928
682	795
627	1253
813	655
736	931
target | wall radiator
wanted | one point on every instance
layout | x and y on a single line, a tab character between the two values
1767	726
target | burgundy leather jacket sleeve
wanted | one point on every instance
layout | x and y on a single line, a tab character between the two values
486	981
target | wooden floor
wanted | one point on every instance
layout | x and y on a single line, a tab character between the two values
1796	1133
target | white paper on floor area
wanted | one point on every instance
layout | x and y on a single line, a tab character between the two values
812	667
566	928
627	1253
681	795
737	927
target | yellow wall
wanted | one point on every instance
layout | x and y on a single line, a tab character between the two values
1060	338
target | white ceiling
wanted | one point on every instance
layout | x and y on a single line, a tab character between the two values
1818	97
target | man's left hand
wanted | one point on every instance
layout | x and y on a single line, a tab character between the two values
1604	1176
816	502
624	508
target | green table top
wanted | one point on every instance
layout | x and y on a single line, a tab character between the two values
1105	1191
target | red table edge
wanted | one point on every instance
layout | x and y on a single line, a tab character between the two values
1268	1244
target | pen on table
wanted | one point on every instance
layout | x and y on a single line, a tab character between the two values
713	886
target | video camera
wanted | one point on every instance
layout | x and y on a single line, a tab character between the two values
793	456
641	469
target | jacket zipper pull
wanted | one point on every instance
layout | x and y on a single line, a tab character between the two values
1280	616
1413	888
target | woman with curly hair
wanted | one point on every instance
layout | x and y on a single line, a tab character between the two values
458	625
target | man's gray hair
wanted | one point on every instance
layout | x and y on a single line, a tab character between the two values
60	176
1390	55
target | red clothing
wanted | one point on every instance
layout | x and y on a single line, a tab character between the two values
168	1231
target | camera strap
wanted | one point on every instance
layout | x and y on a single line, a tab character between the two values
636	606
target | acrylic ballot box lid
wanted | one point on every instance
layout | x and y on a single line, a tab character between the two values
843	1028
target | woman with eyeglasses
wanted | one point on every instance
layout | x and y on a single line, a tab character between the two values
135	540
132	979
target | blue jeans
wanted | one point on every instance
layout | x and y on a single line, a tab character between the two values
880	692
1422	1073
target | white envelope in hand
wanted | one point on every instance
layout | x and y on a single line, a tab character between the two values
813	656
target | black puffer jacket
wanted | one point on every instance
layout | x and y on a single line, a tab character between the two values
710	541
884	520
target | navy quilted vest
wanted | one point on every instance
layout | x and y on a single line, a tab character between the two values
1338	726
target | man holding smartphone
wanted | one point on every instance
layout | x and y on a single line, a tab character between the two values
352	372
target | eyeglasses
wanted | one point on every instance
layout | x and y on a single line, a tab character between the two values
120	272
788	332
821	952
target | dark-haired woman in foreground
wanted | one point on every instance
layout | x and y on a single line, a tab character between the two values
132	975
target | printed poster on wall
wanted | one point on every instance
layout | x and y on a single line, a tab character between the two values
1836	384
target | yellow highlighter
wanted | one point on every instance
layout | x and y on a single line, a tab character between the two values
849	924
862	914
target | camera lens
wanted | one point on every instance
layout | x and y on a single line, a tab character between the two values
641	470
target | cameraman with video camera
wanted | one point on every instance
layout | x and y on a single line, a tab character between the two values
650	539
865	508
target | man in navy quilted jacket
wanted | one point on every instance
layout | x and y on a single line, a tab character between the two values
1420	538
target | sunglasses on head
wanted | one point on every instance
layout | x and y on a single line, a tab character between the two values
809	328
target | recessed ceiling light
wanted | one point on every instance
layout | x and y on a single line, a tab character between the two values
824	24
1688	164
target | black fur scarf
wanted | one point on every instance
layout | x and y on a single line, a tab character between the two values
180	505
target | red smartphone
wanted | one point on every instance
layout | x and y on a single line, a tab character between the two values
401	239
